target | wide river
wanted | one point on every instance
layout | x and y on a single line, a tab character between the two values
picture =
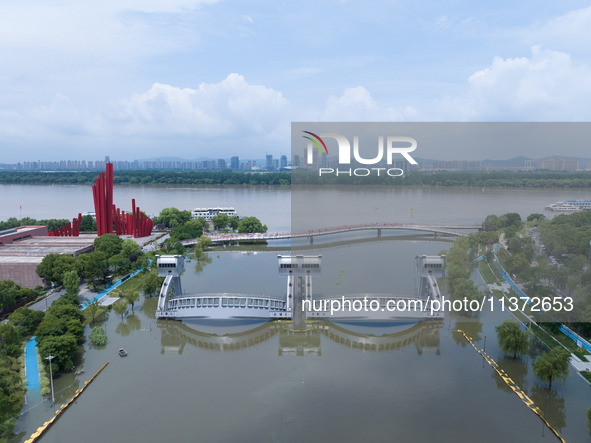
330	382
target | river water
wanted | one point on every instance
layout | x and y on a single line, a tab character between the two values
273	204
330	382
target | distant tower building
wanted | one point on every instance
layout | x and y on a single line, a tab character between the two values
269	163
283	162
221	164
107	159
296	160
235	162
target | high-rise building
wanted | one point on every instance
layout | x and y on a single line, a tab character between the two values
283	162
235	163
269	162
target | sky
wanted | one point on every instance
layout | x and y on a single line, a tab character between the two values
204	78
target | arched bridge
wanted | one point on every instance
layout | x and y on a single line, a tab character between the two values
451	230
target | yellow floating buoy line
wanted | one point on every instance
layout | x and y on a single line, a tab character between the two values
42	429
518	391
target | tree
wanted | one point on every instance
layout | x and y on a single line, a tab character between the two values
26	320
251	224
233	223
511	219
53	267
119	263
131	297
9	338
61	347
98	337
120	307
191	229
93	309
151	283
511	339
130	247
171	217
109	244
94	265
535	217
552	365
8	294
517	263
87	224
71	282
492	223
220	221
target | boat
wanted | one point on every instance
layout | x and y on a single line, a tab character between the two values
122	352
209	213
570	206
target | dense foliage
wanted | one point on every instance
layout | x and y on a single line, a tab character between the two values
52	224
112	255
152	177
189	230
12	294
12	388
552	365
87	223
98	336
458	267
567	234
485	179
172	217
60	332
512	340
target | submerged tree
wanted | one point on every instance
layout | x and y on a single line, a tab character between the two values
131	297
120	307
552	365
512	340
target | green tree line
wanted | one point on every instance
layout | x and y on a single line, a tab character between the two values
483	179
151	177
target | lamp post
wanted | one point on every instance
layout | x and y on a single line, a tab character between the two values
50	357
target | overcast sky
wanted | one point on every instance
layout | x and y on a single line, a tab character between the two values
198	78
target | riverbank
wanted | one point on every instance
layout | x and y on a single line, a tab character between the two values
427	177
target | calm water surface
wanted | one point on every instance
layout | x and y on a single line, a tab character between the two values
273	204
330	382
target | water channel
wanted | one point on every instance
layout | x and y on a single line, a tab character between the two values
330	382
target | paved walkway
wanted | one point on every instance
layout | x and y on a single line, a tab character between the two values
32	372
503	287
579	364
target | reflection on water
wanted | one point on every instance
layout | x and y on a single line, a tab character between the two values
334	382
131	323
300	341
551	403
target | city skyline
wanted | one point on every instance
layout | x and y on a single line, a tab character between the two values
554	163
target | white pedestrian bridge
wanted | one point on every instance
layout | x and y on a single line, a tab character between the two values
298	303
438	229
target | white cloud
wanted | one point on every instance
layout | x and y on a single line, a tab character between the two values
357	104
543	87
229	108
59	118
568	31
